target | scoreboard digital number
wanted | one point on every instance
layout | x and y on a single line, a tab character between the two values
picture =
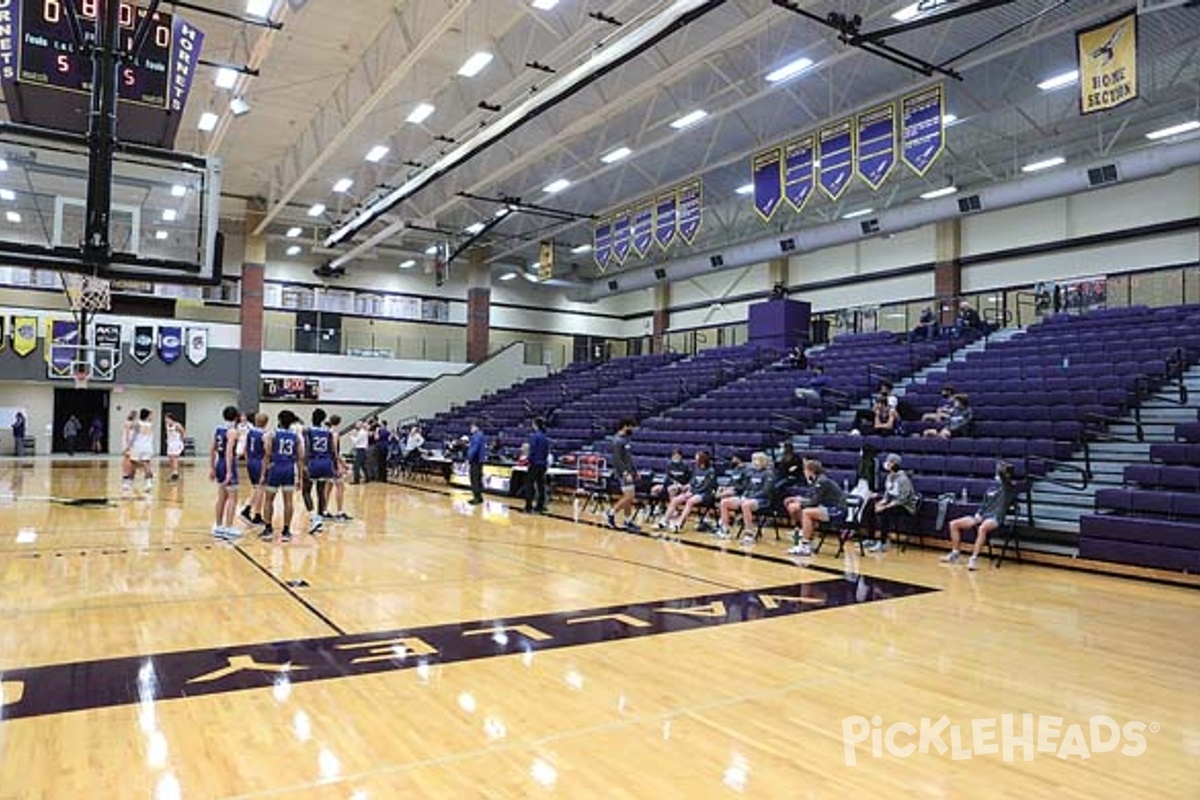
301	389
40	61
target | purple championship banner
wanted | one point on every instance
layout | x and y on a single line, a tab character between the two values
922	128
836	153
666	218
620	237
643	229
875	140
62	346
798	157
767	176
691	198
602	244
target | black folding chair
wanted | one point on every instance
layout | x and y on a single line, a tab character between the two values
845	528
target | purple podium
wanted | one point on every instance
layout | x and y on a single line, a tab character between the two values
780	323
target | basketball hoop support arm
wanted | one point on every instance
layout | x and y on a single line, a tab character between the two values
102	136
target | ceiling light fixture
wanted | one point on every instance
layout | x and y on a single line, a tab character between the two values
178	190
225	78
294	232
949	119
475	64
316	210
13	217
259	8
8	194
170	215
544	5
407	264
616	155
508	276
789	70
1059	81
420	113
161	235
746	188
473	229
239	106
376	153
208	121
431	250
583	248
909	12
1038	166
1174	130
936	193
556	186
689	119
294	250
862	212
342	185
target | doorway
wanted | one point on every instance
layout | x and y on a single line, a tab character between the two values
89	407
176	410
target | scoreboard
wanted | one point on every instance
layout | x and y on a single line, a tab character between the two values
47	80
300	389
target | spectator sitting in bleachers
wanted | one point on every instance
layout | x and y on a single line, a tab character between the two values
798	358
755	494
827	503
698	492
674	481
789	469
899	498
990	516
815	388
927	327
887	419
942	414
958	423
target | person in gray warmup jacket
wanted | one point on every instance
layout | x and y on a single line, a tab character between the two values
626	475
990	516
698	491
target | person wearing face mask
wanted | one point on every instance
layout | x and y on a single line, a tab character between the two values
699	491
677	477
991	515
959	421
944	409
899	499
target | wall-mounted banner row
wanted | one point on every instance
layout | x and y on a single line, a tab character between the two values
670	215
865	145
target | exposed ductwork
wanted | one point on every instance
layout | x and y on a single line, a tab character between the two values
1133	166
606	58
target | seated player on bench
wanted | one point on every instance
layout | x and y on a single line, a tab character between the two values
826	503
698	491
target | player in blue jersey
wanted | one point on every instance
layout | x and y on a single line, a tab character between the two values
283	456
255	453
222	468
319	466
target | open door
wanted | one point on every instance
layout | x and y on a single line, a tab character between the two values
89	407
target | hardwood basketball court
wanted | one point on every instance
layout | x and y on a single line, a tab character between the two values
433	649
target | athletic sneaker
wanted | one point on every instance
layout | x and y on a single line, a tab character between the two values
661	524
218	531
632	527
950	557
286	536
876	546
127	486
722	532
149	486
267	534
748	538
258	520
315	524
972	563
246	515
676	527
800	549
611	520
342	516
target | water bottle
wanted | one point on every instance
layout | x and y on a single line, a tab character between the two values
845	484
964	495
1066	362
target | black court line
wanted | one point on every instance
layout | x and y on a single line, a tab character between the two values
714	548
316	612
103	683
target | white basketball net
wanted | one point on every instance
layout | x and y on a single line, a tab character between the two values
87	292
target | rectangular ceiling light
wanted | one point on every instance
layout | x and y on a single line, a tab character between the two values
208	121
789	70
583	248
170	215
161	235
178	190
1038	166
474	229
862	212
409	264
317	210
8	194
225	78
475	64
420	113
508	276
746	188
949	119
292	233
1059	81
689	119
909	12
543	5
936	193
1174	130
259	8
343	185
376	153
615	155
294	250
13	217
556	186
431	250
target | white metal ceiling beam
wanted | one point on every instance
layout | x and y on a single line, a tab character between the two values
330	127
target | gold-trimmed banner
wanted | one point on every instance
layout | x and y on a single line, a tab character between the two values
1108	65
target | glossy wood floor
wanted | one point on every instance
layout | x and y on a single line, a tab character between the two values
755	708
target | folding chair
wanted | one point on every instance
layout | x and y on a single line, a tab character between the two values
593	482
1010	535
844	529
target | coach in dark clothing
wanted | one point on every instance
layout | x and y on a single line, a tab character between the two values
539	460
476	455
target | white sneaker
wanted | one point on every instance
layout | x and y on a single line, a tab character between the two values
315	524
675	527
722	532
661	524
748	539
950	557
801	549
149	486
972	563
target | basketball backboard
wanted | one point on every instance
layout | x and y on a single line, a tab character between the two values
165	208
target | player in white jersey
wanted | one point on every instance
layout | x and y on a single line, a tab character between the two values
141	449
127	429
175	436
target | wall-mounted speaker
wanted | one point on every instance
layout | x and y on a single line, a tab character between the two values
869	226
1100	176
660	274
613	286
716	261
787	245
969	204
